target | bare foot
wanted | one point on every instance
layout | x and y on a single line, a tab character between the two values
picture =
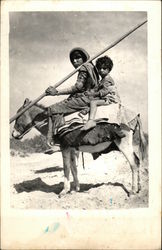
90	124
53	149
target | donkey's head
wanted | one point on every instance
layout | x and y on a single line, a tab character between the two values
23	123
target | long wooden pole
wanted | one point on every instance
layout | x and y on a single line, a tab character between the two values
73	72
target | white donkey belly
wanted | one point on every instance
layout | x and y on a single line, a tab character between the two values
96	148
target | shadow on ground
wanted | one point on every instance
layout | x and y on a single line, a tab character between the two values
48	170
38	185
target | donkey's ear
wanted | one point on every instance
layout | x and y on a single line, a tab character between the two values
26	102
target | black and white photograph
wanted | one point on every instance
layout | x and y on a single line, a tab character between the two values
79	133
84	144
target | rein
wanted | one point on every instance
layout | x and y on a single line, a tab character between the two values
42	123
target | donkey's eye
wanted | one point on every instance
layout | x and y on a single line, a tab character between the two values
19	127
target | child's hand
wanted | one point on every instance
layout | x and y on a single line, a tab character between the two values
92	94
51	91
84	111
112	99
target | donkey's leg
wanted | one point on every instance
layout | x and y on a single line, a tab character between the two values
74	158
66	164
126	147
137	160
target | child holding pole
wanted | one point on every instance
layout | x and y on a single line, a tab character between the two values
86	80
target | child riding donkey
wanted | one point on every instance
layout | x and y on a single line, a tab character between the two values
87	91
77	101
105	93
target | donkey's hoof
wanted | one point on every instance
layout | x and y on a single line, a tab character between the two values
139	188
132	192
77	189
63	193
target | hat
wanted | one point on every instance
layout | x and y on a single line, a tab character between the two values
85	56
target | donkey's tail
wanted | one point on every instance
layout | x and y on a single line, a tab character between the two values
142	140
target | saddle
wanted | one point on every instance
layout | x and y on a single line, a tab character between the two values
71	134
75	124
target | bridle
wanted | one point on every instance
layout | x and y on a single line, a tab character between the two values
32	125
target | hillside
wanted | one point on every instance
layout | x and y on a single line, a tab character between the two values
28	146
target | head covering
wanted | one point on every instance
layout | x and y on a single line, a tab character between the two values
85	56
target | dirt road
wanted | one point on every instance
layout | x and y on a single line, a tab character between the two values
37	179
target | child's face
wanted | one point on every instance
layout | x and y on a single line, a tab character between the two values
103	71
77	60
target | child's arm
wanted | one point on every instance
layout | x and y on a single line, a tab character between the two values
107	87
109	91
100	93
77	87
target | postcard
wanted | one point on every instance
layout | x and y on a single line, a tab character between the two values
80	124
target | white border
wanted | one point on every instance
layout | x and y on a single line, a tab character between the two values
139	226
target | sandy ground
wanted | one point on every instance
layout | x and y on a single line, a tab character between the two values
37	179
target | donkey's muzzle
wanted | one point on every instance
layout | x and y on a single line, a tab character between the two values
16	135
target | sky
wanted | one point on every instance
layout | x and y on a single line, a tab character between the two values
40	42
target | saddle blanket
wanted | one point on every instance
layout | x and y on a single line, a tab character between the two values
112	114
115	113
75	123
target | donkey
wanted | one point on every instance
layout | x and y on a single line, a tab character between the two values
98	140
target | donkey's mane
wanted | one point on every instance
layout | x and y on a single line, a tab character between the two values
37	105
